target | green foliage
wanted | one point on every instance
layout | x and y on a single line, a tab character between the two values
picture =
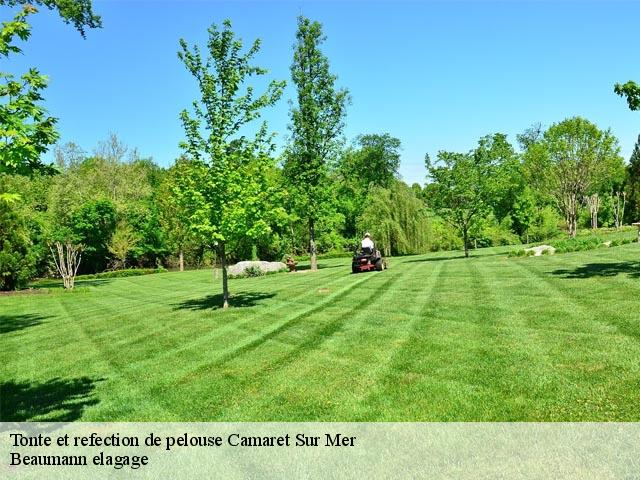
462	186
226	189
545	224
491	233
91	226
374	160
79	13
630	90
123	240
396	219
573	160
17	262
317	121
524	212
129	272
253	271
25	128
633	185
173	216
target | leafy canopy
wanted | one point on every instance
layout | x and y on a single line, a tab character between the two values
225	187
630	90
25	128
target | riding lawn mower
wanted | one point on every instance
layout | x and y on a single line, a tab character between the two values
368	259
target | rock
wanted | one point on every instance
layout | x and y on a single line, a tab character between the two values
607	243
538	251
239	268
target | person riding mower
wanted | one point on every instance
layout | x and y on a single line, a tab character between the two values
368	258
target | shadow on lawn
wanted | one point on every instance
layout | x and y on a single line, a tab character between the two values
214	302
12	323
590	270
58	400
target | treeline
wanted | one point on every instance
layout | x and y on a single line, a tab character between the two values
229	197
121	208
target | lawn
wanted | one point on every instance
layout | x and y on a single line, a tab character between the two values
434	338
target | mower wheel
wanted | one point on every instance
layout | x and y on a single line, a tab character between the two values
355	270
379	265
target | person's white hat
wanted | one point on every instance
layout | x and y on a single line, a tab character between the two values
367	234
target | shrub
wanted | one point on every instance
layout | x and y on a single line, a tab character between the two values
17	263
129	272
253	271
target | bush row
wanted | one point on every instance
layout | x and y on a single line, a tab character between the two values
129	272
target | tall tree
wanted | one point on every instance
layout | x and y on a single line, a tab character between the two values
372	161
226	188
572	162
460	190
375	160
317	121
174	217
26	131
396	218
633	185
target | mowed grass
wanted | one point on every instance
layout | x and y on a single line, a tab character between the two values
434	338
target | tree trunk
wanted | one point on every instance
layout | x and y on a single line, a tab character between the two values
312	246
181	260
225	285
465	240
572	223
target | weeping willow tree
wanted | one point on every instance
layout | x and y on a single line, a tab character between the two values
396	219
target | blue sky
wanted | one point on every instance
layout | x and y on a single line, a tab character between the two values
437	75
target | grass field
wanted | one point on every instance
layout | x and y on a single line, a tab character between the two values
434	338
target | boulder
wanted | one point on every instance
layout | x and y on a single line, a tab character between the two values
538	251
239	268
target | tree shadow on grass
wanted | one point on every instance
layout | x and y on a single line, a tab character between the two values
57	400
12	323
214	302
589	270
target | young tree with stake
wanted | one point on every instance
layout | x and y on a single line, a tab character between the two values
225	189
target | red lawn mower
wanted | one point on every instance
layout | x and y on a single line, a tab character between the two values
368	259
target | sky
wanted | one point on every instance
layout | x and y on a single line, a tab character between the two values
436	75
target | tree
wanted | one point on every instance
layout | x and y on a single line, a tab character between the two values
375	162
317	121
225	189
460	189
173	216
633	185
630	90
67	257
524	213
594	203
397	219
92	225
76	12
572	162
372	161
123	240
25	128
16	259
